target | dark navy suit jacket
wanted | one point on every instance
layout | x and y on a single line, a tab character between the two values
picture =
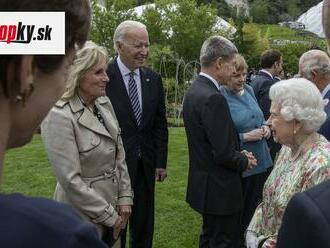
306	221
38	222
261	85
151	136
215	163
325	128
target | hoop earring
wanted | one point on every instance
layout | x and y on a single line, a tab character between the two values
23	96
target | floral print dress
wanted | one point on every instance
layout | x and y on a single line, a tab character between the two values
287	178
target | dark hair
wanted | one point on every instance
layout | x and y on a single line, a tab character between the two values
269	57
77	24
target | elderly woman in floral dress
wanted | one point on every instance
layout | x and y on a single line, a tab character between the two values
304	160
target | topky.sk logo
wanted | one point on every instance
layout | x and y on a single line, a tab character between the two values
32	33
24	33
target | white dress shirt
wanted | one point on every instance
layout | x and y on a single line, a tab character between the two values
267	72
325	90
125	74
211	78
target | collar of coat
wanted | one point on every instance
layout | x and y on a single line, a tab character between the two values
76	105
87	118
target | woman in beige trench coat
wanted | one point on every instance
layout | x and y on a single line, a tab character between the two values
82	139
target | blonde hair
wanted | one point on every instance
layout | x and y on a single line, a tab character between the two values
86	58
240	63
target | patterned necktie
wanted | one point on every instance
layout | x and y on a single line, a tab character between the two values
134	97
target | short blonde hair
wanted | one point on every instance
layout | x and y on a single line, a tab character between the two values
86	58
240	63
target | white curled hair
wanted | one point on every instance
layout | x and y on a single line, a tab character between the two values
300	100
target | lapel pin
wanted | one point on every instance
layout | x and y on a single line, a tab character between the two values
148	80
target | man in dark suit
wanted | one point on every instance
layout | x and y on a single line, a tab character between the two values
271	63
215	163
314	65
306	222
137	96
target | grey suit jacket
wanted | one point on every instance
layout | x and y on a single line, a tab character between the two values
88	159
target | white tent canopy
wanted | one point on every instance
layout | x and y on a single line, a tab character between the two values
312	19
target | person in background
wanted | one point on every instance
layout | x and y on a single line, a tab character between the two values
280	76
313	229
137	95
271	62
29	87
215	161
83	143
303	162
250	124
250	76
288	75
314	65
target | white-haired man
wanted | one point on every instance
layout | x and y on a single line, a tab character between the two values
215	162
137	96
314	65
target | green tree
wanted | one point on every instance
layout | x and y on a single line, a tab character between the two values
189	25
224	10
291	53
156	23
293	9
106	19
279	10
259	11
306	4
252	44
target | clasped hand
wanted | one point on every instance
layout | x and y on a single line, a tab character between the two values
257	134
252	161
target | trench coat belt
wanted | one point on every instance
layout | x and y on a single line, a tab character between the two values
105	176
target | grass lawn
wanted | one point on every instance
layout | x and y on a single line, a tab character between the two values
27	171
277	32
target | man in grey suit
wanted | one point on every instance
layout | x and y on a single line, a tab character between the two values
314	65
215	162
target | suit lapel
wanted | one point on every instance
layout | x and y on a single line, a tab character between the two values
327	95
145	91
